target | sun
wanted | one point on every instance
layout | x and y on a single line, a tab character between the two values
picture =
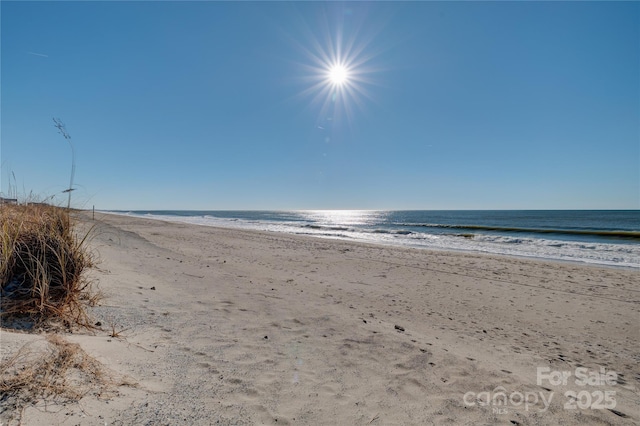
338	75
339	68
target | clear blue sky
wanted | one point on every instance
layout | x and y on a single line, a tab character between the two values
226	105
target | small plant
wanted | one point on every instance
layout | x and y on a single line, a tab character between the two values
42	265
115	333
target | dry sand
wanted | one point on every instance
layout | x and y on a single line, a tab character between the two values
221	326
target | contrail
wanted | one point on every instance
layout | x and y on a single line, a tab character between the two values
38	54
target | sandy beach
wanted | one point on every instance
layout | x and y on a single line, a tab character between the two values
232	327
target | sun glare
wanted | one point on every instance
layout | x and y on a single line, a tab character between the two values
338	75
339	66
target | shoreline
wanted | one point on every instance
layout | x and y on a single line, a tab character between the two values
383	243
252	327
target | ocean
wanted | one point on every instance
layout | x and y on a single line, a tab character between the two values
610	237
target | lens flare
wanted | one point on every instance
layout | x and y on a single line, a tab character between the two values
339	54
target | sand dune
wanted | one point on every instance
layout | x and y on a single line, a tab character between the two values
221	326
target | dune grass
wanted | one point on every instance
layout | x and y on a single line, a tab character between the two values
58	373
32	374
42	266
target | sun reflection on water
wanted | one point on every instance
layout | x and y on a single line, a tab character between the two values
344	217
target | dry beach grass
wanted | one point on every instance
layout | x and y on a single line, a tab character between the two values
60	372
42	265
44	284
